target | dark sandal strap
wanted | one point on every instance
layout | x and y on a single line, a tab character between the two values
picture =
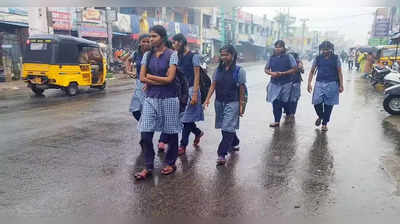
143	174
181	151
168	169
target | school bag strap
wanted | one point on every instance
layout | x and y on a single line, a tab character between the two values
236	74
134	56
236	79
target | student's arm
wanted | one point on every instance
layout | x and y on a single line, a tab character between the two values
210	93
171	73
293	65
143	73
242	81
340	73
196	86
268	71
164	80
311	76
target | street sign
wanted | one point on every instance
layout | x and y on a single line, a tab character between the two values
112	15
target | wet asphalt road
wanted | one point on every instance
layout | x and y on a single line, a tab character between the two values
76	156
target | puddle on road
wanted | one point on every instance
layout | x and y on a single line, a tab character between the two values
391	161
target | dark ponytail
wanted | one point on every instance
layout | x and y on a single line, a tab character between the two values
182	39
231	50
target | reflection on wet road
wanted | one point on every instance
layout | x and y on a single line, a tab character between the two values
77	156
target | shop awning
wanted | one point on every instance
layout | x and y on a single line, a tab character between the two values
120	34
193	40
15	23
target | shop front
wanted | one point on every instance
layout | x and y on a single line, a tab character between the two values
13	36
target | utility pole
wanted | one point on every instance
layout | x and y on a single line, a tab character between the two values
109	34
304	28
233	28
222	25
79	20
287	21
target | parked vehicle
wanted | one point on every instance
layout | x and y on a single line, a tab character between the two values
391	79
391	103
378	74
63	62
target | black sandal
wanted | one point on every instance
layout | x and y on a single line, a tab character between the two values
318	122
142	175
274	125
168	169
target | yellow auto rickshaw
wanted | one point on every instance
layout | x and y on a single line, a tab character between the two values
63	62
387	55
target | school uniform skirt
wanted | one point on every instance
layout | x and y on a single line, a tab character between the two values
295	92
227	116
137	98
160	115
278	92
326	92
193	113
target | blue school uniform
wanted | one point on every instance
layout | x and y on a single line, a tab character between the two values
296	88
161	105
193	113
279	88
138	94
326	89
227	99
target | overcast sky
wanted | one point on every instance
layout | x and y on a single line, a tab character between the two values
354	23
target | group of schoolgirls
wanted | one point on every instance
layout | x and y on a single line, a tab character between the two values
156	103
283	90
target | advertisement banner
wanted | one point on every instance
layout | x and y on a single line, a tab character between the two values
13	18
93	30
123	24
90	15
62	18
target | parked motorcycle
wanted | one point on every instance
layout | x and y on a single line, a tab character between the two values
378	74
391	103
391	79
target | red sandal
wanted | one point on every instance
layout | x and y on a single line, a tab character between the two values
142	175
196	141
168	170
181	151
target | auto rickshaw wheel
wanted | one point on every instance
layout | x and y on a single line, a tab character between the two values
102	87
72	89
37	91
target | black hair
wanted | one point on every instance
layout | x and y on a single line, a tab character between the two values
160	30
182	39
280	43
231	50
141	37
327	45
168	44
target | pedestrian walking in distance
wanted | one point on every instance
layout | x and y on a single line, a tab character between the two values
161	106
328	85
281	67
189	64
229	85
